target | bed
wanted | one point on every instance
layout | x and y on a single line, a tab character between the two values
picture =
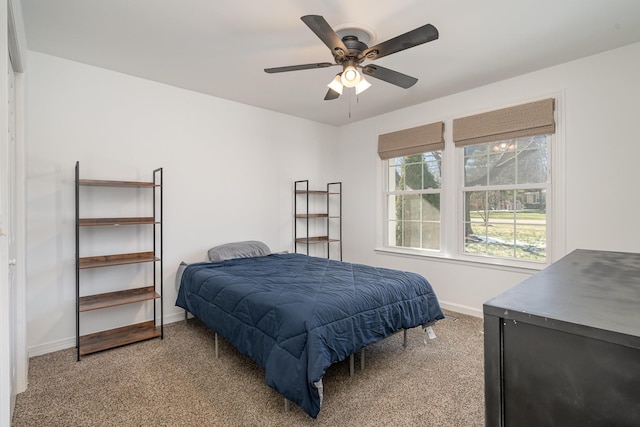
295	315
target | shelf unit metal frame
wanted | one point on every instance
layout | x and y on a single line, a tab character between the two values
136	332
333	189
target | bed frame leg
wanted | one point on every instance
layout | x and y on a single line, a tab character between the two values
404	343
287	405
362	359
351	364
215	339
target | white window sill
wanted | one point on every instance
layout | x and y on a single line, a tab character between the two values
468	260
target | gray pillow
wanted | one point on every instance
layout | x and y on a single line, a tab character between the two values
248	249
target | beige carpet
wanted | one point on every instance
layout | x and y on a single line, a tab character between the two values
178	382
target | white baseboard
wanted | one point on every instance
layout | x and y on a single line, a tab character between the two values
172	318
52	346
462	309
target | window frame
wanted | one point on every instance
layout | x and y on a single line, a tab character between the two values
452	204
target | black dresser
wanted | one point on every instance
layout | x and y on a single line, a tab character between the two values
562	348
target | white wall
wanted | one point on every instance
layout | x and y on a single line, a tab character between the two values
228	170
601	107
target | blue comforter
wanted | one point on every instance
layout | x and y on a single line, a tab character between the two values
295	315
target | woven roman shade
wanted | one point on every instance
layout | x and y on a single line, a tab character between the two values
534	118
411	141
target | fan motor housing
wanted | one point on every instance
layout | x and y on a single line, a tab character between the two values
353	44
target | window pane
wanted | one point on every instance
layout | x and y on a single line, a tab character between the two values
431	235
502	167
432	175
411	235
531	242
393	232
475	150
430	207
392	207
532	142
475	170
400	209
500	239
502	204
534	200
475	238
413	176
475	206
531	230
506	146
412	207
532	166
395	178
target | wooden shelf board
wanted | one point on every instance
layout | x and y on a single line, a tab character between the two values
107	183
118	259
112	338
311	192
315	239
317	192
89	222
303	216
112	299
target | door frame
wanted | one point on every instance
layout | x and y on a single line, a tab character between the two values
13	356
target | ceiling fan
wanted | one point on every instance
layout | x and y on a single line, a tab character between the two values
350	53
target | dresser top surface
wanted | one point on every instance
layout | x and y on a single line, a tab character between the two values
587	289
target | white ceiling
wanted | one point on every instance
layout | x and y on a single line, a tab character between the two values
220	47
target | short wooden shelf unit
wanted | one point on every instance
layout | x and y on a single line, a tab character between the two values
306	219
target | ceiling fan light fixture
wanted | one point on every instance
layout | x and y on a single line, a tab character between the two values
336	84
362	85
350	46
350	76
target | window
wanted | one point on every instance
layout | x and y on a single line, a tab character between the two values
504	198
413	163
493	198
413	200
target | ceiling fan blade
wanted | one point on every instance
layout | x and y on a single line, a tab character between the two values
416	37
331	94
389	76
298	67
323	30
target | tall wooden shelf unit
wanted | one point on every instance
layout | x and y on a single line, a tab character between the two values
306	219
121	295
